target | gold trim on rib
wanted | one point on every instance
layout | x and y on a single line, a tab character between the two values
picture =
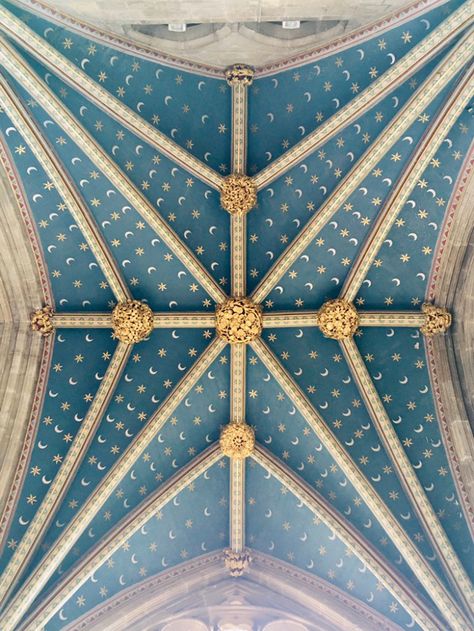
238	370
288	319
52	559
40	148
19	69
391	318
407	476
363	549
183	320
85	320
120	534
56	492
238	222
441	75
161	320
425	151
285	319
237	504
421	569
238	261
80	81
392	78
239	127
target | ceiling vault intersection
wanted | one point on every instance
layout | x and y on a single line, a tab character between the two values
242	324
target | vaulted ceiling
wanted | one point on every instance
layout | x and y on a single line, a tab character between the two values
121	161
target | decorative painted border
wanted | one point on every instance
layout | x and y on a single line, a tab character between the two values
125	44
424	573
453	205
161	320
285	319
400	589
238	222
406	474
24	36
309	580
28	441
24	597
15	64
110	543
387	82
453	106
63	478
203	564
14	179
237	505
443	72
357	36
264	568
55	171
453	209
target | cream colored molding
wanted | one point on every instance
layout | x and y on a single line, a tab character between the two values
390	579
425	151
238	222
32	586
18	68
82	320
451	356
183	320
155	595
32	136
392	318
270	320
237	504
441	75
407	476
238	264
238	370
161	320
59	487
387	82
79	80
239	78
422	570
342	612
285	319
22	354
159	599
126	528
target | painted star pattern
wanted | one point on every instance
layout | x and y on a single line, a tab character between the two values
193	108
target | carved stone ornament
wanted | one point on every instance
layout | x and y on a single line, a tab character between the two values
42	321
132	321
238	194
338	319
236	562
239	73
237	440
239	320
437	320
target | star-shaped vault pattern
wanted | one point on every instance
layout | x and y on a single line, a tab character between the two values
238	318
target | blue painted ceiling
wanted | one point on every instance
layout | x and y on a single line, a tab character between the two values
195	111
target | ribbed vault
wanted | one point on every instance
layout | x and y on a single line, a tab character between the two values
213	269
